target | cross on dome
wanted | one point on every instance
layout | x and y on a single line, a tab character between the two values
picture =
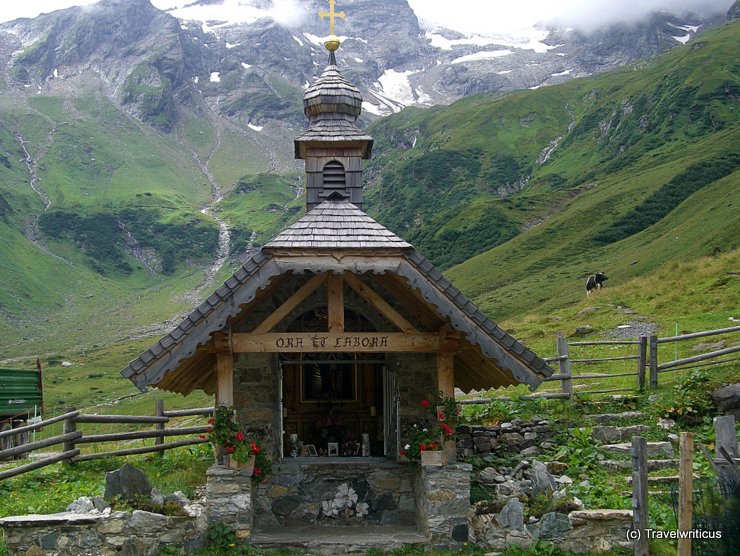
332	42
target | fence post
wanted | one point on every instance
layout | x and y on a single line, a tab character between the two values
653	362
69	426
159	411
639	496
685	491
566	385
641	362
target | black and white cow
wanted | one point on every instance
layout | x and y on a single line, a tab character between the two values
595	282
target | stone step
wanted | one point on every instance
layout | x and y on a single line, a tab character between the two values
606	418
611	435
330	540
654	449
626	465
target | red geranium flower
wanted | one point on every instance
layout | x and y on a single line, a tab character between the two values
422	447
239	436
230	449
402	453
424	403
256	471
201	436
432	445
212	420
209	429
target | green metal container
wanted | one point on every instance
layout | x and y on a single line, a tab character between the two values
20	392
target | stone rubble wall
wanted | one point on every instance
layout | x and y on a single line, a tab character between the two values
104	534
527	437
579	532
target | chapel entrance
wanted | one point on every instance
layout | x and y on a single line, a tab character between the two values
333	404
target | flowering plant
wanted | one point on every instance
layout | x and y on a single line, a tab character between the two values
422	437
224	431
425	436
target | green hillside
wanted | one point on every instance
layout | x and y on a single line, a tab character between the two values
581	156
520	198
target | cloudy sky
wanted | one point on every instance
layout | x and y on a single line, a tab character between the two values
468	16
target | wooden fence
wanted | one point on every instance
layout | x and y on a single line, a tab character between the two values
726	465
644	355
71	437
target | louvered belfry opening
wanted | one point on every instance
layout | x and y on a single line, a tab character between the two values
333	146
334	180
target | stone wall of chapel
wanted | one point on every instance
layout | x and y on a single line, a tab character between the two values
256	381
416	376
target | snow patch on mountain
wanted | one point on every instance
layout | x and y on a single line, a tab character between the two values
215	77
481	56
525	39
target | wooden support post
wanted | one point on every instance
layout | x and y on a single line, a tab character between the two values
653	362
685	491
225	379
725	435
446	374
68	427
159	412
566	386
641	362
335	302
639	496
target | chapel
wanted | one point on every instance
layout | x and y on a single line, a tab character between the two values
331	336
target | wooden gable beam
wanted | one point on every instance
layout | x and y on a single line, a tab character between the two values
335	302
369	295
291	303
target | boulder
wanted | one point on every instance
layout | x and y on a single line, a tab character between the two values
128	482
511	515
543	481
727	399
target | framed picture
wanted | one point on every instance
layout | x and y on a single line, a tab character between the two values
333	448
311	449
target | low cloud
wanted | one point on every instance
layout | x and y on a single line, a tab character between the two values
488	17
588	15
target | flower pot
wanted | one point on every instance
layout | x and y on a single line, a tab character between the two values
432	458
243	466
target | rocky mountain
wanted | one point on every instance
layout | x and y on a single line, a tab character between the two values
253	70
143	152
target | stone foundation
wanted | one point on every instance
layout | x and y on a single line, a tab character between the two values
229	499
443	503
328	492
104	534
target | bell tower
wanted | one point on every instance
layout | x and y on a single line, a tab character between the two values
333	146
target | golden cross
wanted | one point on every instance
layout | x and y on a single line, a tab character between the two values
331	14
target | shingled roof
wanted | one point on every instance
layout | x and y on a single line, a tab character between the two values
337	224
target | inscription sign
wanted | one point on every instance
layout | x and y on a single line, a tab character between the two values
324	342
341	342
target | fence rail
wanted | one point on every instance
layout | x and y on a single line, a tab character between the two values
646	371
71	437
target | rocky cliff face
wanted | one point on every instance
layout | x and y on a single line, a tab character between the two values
152	63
